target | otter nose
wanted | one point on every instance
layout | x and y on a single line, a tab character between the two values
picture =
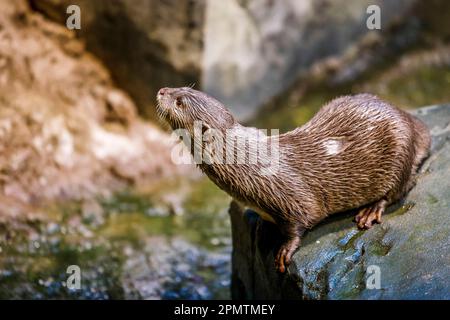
163	91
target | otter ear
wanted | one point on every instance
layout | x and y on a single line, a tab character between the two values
205	127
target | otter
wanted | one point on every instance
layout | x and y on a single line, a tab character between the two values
357	152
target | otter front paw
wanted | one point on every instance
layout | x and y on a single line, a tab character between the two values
284	255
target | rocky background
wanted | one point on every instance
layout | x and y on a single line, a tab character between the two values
86	175
66	132
246	52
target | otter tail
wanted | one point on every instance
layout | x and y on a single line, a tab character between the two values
422	142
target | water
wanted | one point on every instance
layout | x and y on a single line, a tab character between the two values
171	242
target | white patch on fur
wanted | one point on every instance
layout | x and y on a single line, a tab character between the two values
332	146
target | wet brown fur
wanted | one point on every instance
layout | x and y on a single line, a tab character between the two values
376	150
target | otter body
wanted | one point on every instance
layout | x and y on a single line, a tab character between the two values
356	152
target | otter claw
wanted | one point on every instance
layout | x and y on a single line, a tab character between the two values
285	253
370	215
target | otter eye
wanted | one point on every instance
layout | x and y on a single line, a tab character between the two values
178	102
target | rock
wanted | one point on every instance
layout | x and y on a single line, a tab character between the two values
411	247
147	44
93	213
66	132
257	49
175	269
241	52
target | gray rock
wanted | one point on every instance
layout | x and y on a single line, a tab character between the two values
256	49
411	247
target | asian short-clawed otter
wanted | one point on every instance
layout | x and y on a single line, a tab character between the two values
356	152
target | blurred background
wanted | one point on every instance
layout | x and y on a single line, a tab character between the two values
86	176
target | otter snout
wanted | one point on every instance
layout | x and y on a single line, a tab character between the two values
162	91
164	98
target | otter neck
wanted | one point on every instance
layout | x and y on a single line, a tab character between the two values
238	162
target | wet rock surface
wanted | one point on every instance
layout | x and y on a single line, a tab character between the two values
411	247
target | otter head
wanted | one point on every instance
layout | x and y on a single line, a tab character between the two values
182	107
